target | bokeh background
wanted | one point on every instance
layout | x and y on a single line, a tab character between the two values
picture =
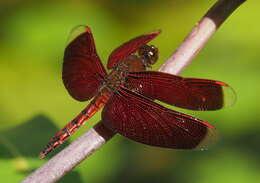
34	103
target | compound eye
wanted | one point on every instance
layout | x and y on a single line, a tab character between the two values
149	53
153	54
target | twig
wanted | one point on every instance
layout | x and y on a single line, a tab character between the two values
88	143
199	35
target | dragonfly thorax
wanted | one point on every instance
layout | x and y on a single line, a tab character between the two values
116	77
147	56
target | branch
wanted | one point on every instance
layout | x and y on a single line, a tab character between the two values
93	139
199	35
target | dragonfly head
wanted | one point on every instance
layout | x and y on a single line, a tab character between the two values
149	54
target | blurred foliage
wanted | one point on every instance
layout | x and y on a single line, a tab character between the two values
34	104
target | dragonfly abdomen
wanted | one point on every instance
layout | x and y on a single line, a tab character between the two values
97	103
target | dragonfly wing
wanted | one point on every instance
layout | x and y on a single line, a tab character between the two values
144	121
189	93
83	72
129	47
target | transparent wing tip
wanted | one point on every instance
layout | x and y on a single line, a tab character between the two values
229	96
76	31
210	139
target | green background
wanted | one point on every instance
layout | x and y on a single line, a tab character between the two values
34	103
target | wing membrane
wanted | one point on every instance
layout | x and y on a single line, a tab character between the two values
129	47
189	93
83	71
144	121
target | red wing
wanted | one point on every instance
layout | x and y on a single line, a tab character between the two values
189	93
144	121
129	47
83	71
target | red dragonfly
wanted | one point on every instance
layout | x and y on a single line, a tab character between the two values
128	93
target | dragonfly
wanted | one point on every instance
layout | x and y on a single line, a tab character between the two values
129	91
